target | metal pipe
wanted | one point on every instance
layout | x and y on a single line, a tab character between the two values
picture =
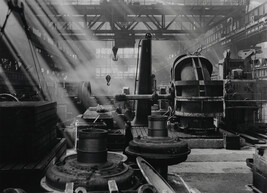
122	97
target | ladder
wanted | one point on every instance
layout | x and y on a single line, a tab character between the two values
199	73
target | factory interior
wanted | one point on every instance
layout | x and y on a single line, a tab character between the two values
133	96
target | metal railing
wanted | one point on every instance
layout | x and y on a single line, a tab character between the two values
253	22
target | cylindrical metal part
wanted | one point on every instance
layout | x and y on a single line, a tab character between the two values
141	97
92	146
157	126
143	107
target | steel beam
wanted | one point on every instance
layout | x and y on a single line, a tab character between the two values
154	17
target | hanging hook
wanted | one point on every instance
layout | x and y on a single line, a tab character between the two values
115	50
108	78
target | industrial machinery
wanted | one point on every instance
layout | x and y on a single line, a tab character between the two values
195	99
244	95
157	148
143	107
195	102
105	117
258	166
92	167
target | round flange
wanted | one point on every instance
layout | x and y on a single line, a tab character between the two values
91	176
163	150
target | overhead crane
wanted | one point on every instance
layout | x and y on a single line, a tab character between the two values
130	20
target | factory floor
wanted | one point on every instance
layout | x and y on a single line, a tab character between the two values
212	170
216	170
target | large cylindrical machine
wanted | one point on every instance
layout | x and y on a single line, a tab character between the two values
197	98
157	148
143	107
92	167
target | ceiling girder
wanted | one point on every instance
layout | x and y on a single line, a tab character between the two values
153	17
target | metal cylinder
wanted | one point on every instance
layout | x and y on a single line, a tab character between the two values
92	146
157	126
92	167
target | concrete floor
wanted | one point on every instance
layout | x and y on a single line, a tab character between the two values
216	170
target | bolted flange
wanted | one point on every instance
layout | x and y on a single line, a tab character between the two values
93	177
92	167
